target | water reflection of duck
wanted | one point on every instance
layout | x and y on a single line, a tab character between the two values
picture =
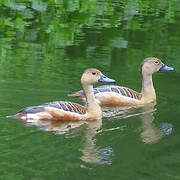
63	110
122	96
90	153
150	133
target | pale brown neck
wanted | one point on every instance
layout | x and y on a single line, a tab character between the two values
148	92
92	106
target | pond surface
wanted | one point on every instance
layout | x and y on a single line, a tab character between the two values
45	47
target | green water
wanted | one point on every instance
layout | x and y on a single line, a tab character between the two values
44	48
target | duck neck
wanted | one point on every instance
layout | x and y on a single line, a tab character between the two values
93	107
148	92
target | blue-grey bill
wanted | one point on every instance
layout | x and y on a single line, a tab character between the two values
106	79
166	68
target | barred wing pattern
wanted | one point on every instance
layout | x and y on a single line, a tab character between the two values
64	105
117	89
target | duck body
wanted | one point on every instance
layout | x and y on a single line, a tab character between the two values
57	110
69	111
113	96
119	96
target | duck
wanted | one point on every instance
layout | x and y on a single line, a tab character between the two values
119	96
66	110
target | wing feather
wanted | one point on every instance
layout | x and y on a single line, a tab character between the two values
69	106
64	105
117	89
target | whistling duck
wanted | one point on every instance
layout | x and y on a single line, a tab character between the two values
64	110
117	96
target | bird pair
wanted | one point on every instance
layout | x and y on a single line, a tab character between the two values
110	96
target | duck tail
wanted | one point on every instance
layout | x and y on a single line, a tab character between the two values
78	95
73	94
17	116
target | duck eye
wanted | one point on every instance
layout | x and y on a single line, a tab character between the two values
93	73
156	62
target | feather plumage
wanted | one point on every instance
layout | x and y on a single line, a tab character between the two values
127	92
63	105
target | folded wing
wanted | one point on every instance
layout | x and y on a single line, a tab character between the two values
63	105
116	89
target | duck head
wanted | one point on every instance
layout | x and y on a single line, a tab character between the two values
92	76
151	65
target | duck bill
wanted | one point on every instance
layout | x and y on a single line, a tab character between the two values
106	79
166	68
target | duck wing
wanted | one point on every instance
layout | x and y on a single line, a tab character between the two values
63	105
124	91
